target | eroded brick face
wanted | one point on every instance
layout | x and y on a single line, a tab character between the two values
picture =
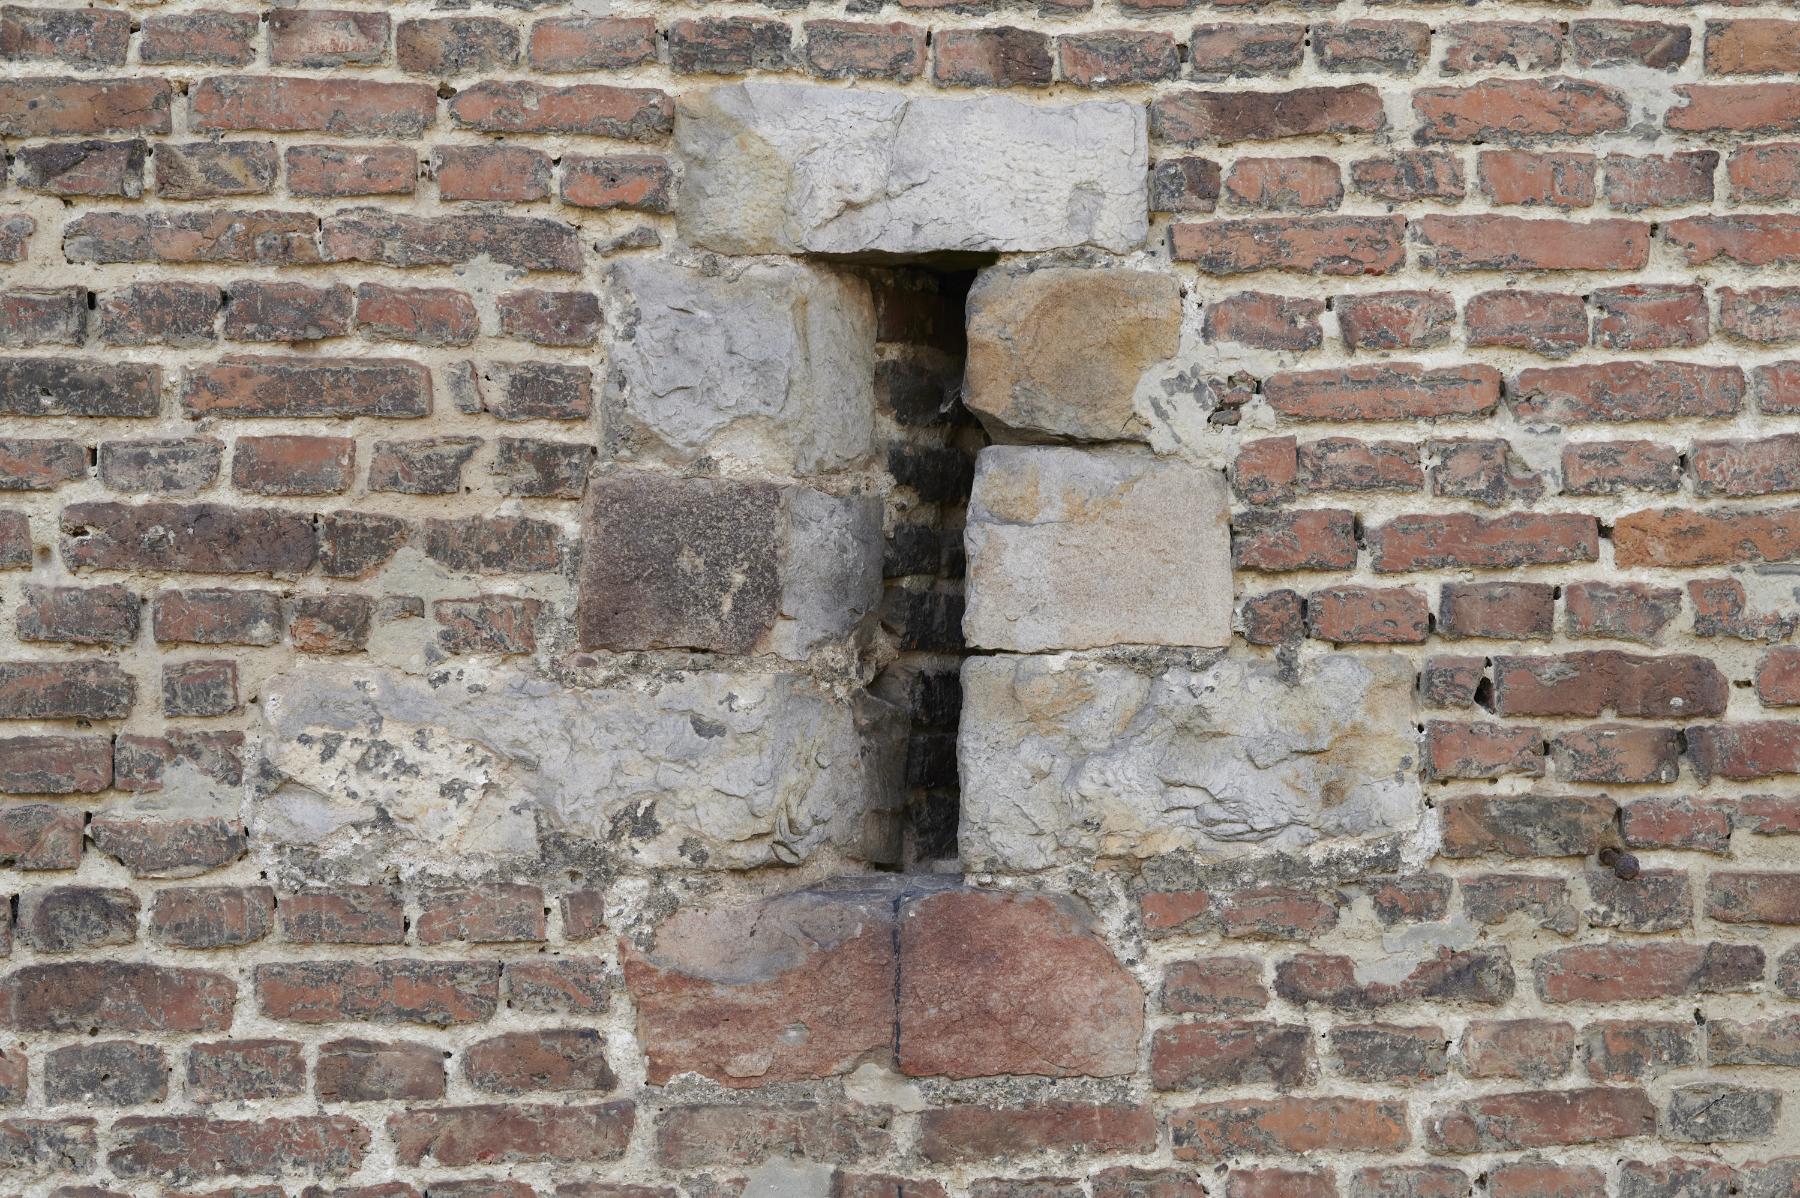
486	705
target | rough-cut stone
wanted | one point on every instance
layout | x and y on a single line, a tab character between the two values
700	768
1003	983
1073	549
1060	350
767	363
727	565
801	986
780	168
1066	758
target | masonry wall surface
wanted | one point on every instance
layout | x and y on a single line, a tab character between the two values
1101	599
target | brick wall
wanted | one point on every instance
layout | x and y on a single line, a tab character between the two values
1108	599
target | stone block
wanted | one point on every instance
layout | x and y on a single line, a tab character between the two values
771	364
1075	549
690	769
726	565
784	168
1059	351
1068	759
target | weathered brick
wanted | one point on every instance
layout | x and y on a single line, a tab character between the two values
106	1073
344	107
956	1134
568	44
436	993
88	996
374	1071
1623	972
212	916
1205	1056
169	846
1327	245
181	1147
457	1137
1288	1125
594	109
245	1070
55	764
1512	243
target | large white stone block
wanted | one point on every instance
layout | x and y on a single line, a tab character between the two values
768	363
1078	548
786	168
1068	760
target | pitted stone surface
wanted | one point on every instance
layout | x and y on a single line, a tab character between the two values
771	364
780	168
727	565
1067	759
1075	549
1059	351
716	768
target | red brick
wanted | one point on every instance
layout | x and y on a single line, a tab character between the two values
1430	542
1524	825
1395	319
1278	1183
401	239
245	1070
1777	387
1634	183
1346	464
356	544
1750	239
1682	537
1234	51
178	314
1512	243
1354	47
1616	753
1593	683
458	1137
1265	321
1327	245
1752	47
372	1071
293	465
1409	1181
420	315
628	114
431	466
1766	173
966	972
1277	913
1323	539
1614	43
217	616
714	1133
453	46
39	836
111	996
1209	1056
1284	184
207	170
1408	176
104	615
1543	322
331	623
61	107
40	463
1660	823
954	1135
1329	980
1394	391
1482	751
207	37
318	37
1613	467
1552	180
1214	986
1650	316
489	914
1117	57
567	44
343	107
1368	615
1000	57
1386	1052
52	690
1763	315
1265	470
1747	897
1540	1179
61	919
55	764
1485	471
184	1146
1274	618
72	387
1288	1125
436	993
550	317
487	624
1628	972
1542	1119
90	37
348	915
1503	610
1509	110
1472	46
634	182
246	387
43	316
562	986
351	170
1191	118
560	1060
1739	468
1625	1050
494	545
491	172
1451	681
1528	1049
212	916
1627	391
169	846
